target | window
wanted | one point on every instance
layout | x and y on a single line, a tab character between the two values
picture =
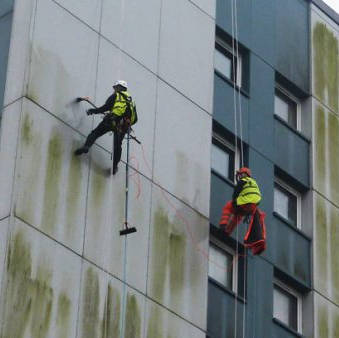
226	63
287	108
224	158
287	306
287	203
222	265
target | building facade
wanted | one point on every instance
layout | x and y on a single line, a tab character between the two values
65	271
276	75
212	93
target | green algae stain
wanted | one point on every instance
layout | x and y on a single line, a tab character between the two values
73	191
335	324
133	318
177	246
326	81
154	327
29	300
323	324
26	130
320	151
321	243
30	161
333	143
90	310
169	248
334	242
52	182
160	253
111	320
63	316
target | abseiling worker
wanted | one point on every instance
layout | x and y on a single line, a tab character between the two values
122	114
245	200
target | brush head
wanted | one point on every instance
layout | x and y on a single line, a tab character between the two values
128	231
79	99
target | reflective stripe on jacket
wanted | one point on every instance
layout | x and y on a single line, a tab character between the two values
250	192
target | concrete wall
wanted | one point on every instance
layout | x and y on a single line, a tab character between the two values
325	89
65	272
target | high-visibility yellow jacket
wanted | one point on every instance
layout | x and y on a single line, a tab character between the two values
250	192
122	102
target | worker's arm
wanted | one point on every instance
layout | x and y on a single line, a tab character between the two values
237	189
106	107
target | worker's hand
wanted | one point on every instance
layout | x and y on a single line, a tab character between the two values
90	111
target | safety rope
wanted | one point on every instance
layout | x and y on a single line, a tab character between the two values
120	51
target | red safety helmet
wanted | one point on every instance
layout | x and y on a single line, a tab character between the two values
244	170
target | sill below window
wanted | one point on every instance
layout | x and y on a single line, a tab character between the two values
223	178
231	83
287	328
295	131
227	290
291	225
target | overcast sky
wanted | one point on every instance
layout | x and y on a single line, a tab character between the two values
334	4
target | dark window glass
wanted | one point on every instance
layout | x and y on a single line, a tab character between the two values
225	63
220	266
285	204
222	160
285	307
285	108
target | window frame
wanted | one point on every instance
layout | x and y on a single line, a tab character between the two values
226	146
292	191
227	50
292	98
223	247
295	294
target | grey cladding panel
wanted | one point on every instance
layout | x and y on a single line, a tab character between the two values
5	29
292	43
292	251
261	106
5	7
224	19
291	152
223	109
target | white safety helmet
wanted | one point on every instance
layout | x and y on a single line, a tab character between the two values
122	83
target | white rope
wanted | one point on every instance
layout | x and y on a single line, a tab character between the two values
241	160
235	144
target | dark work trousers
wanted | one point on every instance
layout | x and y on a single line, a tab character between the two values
118	138
105	126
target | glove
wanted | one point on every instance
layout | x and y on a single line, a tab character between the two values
90	111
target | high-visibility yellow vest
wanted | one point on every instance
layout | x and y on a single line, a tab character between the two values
250	192
120	105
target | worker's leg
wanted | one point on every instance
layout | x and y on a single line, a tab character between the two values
118	138
230	218
255	237
103	127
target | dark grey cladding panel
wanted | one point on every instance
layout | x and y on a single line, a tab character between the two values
263	171
291	252
224	19
260	298
291	152
221	313
263	35
5	29
5	7
280	331
292	41
223	108
261	106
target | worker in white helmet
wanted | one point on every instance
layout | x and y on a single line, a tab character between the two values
121	115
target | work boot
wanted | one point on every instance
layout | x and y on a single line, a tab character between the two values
81	150
115	169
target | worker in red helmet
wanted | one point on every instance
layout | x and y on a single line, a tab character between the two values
245	200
